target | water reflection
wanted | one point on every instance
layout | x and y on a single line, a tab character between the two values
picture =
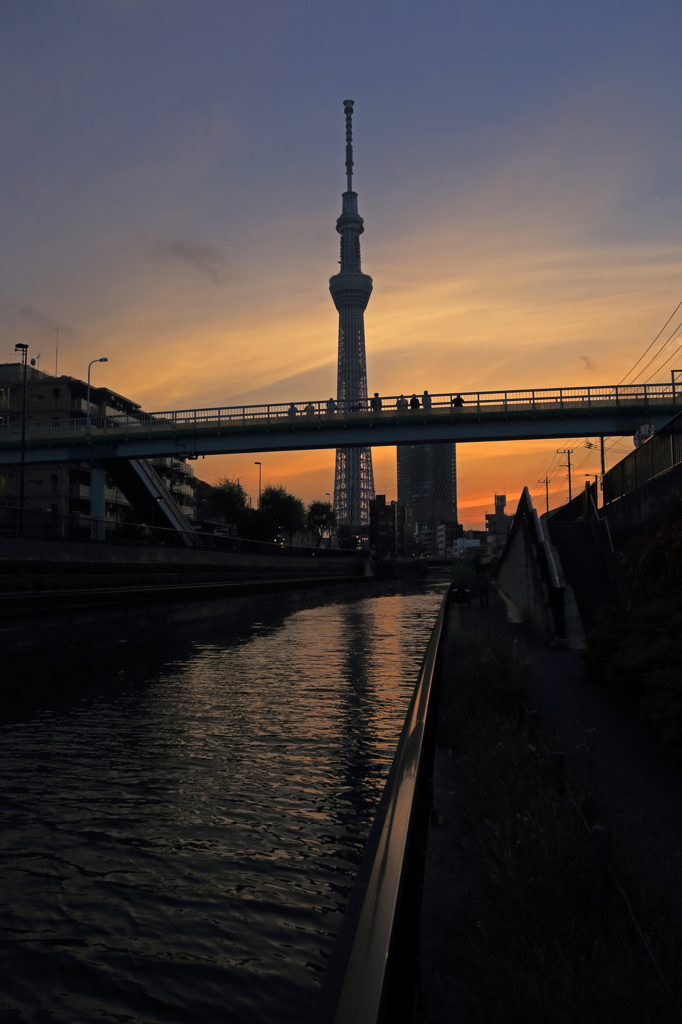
182	821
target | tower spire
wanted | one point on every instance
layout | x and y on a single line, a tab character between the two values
350	289
348	108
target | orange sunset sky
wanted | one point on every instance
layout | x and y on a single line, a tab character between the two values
173	171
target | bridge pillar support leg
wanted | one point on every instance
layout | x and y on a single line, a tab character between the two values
97	506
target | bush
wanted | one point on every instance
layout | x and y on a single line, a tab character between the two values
635	648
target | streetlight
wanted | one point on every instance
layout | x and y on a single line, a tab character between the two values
21	347
88	424
260	468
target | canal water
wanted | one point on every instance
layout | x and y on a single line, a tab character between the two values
182	818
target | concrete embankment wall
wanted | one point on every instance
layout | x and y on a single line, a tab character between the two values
73	553
519	578
642	507
49	621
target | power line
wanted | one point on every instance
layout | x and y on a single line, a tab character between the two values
654	341
653	358
668	360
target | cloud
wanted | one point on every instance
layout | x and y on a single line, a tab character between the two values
207	260
309	383
29	324
24	315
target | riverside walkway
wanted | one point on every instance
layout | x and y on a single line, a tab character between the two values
470	417
637	793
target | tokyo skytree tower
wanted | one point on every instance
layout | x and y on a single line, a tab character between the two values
350	289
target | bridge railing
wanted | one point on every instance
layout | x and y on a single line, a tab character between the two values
299	413
656	456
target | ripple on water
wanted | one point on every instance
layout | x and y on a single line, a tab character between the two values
182	822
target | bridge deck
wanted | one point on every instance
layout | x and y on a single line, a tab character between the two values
482	416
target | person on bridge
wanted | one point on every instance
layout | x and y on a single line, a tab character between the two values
414	402
331	407
458	401
292	410
426	400
375	402
401	404
310	409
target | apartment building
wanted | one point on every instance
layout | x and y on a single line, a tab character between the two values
65	488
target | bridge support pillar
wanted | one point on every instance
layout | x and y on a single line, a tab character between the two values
97	505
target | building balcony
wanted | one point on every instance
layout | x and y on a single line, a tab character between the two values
80	491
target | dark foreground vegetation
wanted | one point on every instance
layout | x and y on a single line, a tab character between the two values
520	942
636	647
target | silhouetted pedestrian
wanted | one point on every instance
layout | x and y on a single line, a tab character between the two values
414	402
310	409
426	400
331	407
292	410
484	590
458	401
401	404
375	402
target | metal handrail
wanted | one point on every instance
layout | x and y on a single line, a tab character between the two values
310	412
660	454
357	991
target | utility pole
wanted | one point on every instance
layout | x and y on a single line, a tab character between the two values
546	482
603	461
260	468
23	350
568	452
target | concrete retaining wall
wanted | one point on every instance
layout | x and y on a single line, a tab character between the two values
73	552
642	507
519	578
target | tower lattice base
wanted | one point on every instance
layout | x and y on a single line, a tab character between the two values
353	485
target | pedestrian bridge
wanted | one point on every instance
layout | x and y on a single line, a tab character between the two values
469	417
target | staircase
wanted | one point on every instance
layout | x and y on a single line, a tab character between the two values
585	565
143	487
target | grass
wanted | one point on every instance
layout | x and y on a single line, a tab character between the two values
524	944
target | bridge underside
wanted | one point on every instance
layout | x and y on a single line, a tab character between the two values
361	429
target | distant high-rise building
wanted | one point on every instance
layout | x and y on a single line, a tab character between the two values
350	289
427	480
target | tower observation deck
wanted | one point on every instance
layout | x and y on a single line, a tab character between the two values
350	289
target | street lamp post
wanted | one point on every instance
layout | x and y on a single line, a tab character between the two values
88	424
21	347
259	480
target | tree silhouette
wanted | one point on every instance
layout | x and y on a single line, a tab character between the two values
287	511
321	518
229	500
